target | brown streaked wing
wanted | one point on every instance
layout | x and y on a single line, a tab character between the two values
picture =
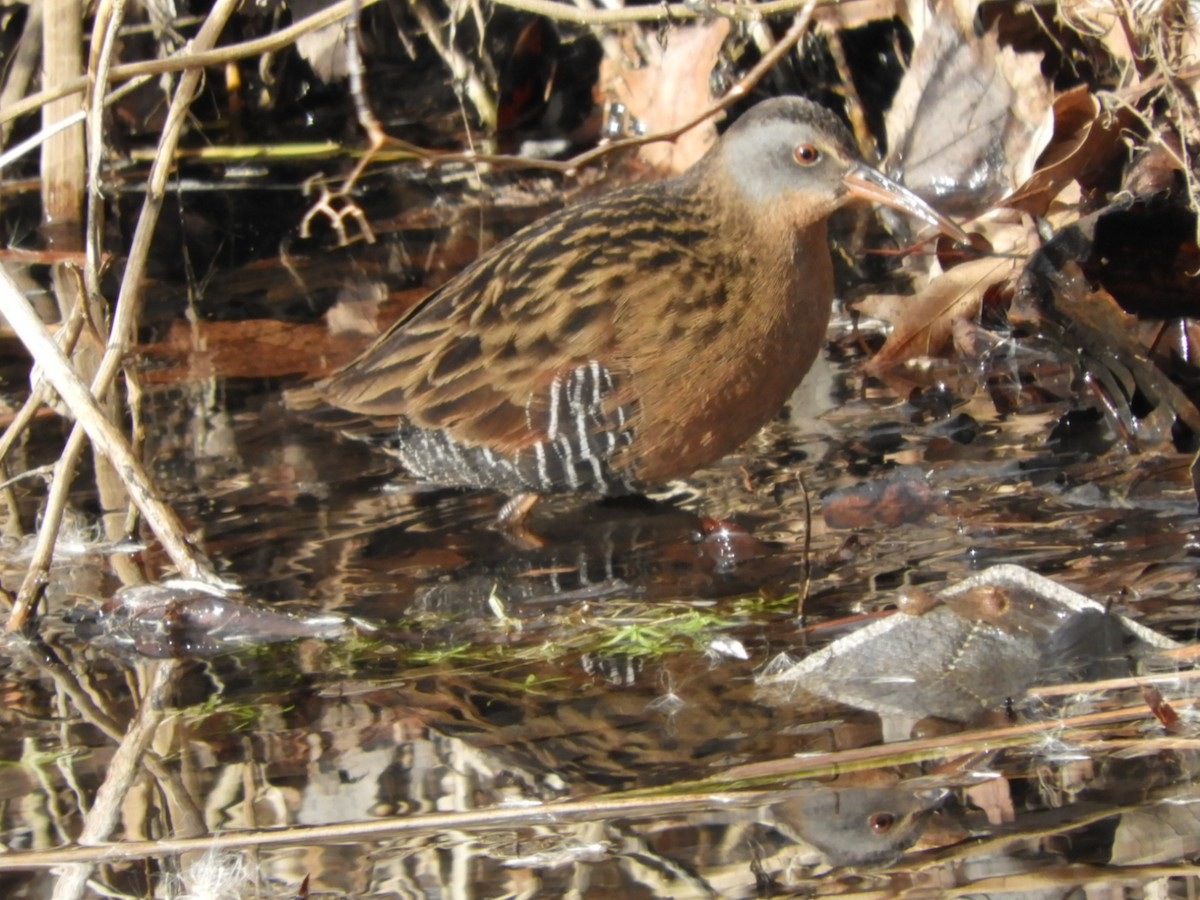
477	357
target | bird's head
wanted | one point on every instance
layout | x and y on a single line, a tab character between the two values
791	157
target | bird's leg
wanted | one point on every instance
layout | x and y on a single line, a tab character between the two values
512	514
510	521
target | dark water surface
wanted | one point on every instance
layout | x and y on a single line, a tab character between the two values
584	710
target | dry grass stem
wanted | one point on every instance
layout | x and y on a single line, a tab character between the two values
109	18
338	207
43	136
82	400
63	181
62	376
733	786
23	65
102	819
195	56
662	12
460	65
160	517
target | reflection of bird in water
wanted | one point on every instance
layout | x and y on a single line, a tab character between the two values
630	339
854	825
618	549
805	831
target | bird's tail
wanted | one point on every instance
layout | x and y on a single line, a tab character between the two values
308	402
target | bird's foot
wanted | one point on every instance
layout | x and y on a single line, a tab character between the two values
514	512
511	520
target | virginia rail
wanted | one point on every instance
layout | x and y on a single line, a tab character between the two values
629	339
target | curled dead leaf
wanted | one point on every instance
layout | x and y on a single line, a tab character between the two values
672	88
1086	139
924	324
969	119
903	498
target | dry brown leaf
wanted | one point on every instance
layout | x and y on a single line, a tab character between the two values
1165	831
905	497
1086	138
356	310
671	89
856	13
265	348
924	324
969	119
325	48
252	348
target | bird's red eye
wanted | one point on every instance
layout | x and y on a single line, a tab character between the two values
881	822
807	154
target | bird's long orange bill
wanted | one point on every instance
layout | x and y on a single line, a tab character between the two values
871	184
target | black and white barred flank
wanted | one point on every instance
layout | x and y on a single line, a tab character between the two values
583	433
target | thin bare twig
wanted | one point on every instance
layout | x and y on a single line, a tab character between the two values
23	64
67	336
565	12
740	89
195	56
37	574
717	790
123	769
109	440
36	140
460	66
338	206
110	16
114	11
41	472
62	376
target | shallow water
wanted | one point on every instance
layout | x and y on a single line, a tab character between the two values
607	663
406	701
